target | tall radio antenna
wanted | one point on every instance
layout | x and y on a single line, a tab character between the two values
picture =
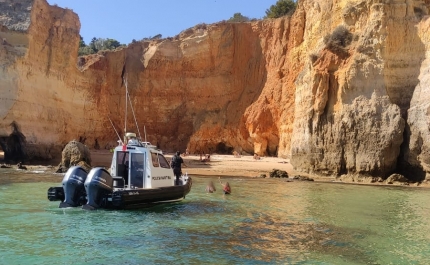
125	122
134	116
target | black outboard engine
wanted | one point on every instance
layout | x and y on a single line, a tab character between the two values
56	194
98	185
73	186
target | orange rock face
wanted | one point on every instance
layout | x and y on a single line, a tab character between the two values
271	87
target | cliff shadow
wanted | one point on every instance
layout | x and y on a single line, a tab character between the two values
413	171
402	69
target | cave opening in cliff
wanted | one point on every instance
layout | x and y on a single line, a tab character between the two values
13	146
404	167
222	148
2	141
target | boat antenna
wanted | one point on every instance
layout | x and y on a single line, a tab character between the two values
144	129
134	116
125	122
115	129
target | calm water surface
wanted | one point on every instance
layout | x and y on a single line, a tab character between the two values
263	222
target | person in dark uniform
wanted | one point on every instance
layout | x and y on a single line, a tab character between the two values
176	164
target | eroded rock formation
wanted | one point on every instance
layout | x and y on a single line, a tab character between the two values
340	87
75	154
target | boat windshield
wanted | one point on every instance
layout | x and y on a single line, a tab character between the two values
154	159
163	161
158	160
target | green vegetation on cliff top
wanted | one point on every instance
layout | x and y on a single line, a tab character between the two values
281	8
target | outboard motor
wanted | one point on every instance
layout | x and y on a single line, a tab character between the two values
56	194
73	186
98	184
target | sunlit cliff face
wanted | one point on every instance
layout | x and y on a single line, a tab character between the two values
291	87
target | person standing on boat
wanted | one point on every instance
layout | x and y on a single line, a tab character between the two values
176	164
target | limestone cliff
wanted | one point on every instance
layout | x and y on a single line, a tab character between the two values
339	87
352	106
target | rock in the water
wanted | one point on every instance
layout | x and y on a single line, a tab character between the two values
276	173
75	154
396	178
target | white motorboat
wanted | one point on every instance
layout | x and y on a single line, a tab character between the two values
139	176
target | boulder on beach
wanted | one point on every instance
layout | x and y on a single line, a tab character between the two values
276	173
75	154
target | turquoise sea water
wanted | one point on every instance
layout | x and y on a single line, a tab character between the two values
264	221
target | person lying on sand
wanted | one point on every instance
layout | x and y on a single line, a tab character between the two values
206	159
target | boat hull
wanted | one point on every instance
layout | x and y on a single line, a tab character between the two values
97	196
142	198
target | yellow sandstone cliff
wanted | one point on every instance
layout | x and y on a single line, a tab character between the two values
340	87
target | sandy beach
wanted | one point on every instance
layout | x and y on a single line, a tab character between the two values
219	165
228	166
244	166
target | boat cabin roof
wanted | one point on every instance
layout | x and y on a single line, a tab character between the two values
139	147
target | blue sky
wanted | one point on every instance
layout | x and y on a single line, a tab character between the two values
136	19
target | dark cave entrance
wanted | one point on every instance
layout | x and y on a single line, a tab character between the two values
12	147
222	148
2	149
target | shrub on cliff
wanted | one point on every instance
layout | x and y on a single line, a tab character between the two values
97	44
281	8
238	17
86	50
81	42
338	40
202	26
